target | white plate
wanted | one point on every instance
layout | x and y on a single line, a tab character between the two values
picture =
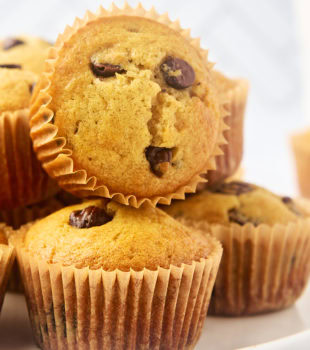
289	327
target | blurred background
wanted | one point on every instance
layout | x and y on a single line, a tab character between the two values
259	40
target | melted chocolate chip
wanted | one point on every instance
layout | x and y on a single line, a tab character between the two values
9	43
288	201
89	217
31	87
234	188
237	217
106	70
159	159
11	66
177	72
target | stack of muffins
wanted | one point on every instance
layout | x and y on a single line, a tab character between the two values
129	115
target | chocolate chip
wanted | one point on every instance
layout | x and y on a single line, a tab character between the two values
9	43
159	159
11	66
239	218
288	201
31	87
177	72
105	70
234	188
89	217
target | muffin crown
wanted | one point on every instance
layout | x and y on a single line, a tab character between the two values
100	234
238	202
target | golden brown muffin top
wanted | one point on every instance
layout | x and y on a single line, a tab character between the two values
29	52
136	104
16	86
237	202
125	238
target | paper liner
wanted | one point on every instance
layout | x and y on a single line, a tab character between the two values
263	268
72	308
301	149
23	180
17	217
228	163
7	257
50	148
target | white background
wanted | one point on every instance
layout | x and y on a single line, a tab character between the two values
249	38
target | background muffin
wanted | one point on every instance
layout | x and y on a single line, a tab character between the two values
266	241
26	51
23	180
155	108
113	257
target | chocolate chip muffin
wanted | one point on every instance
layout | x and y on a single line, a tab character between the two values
16	86
125	118
266	241
25	51
23	181
7	258
117	261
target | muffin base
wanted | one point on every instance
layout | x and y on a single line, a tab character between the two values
82	308
7	258
23	180
263	268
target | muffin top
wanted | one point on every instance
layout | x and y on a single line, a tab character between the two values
16	86
136	104
26	51
101	234
237	202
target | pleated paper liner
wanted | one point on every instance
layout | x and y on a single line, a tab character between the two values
72	308
17	217
301	149
263	268
51	149
23	180
7	257
228	163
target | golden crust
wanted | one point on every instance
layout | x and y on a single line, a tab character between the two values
134	239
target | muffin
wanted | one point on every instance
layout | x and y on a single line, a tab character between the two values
117	117
7	257
301	150
23	181
25	51
266	241
235	93
105	275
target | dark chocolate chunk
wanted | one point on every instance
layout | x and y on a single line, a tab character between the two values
106	70
31	87
288	201
234	188
9	43
11	66
89	217
177	72
158	157
239	218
